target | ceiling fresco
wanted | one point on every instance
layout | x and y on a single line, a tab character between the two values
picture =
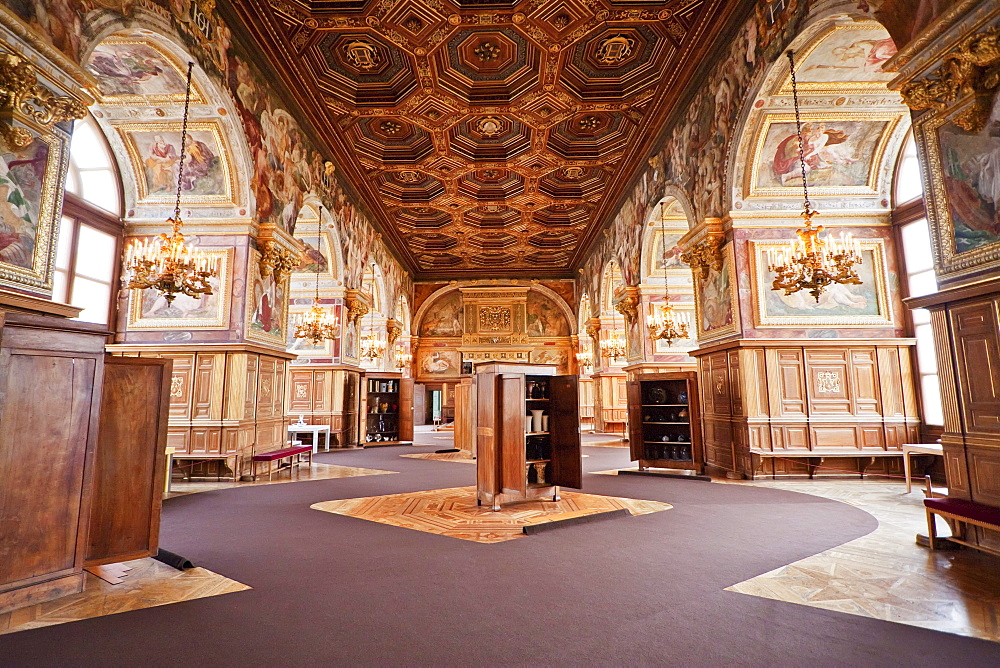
487	136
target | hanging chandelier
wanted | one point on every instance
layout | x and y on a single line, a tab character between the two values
372	347
317	324
662	322
585	360
812	262
167	264
403	358
614	347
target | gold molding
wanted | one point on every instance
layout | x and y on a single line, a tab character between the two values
357	306
277	258
970	70
22	96
393	330
628	306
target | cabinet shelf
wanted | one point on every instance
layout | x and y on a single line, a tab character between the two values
666	423
537	461
536	433
650	422
659	405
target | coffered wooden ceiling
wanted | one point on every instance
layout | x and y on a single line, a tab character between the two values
490	138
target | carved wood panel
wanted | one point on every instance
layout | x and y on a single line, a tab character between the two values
984	474
786	382
866	398
206	402
829	379
181	385
977	352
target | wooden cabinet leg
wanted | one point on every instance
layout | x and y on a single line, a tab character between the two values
555	494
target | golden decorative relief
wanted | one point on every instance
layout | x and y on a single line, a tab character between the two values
973	68
628	306
828	382
393	331
177	386
21	93
494	318
704	256
615	49
362	55
277	258
356	309
593	330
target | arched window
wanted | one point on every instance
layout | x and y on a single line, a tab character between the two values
88	254
908	186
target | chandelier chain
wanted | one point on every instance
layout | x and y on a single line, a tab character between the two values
184	130
798	130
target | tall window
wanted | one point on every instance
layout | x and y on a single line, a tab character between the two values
89	248
918	264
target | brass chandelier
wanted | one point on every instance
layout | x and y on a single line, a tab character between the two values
317	324
167	264
662	322
811	262
372	347
614	347
403	358
585	360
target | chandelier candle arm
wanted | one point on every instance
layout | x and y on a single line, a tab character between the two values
317	324
811	262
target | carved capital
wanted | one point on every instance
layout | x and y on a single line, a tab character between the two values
393	330
973	68
357	306
704	256
593	328
21	94
628	306
275	257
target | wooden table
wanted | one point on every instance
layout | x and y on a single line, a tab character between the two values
314	429
920	449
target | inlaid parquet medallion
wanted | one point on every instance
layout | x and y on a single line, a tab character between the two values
454	512
460	456
147	584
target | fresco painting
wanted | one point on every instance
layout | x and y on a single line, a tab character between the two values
837	154
267	303
544	317
22	184
313	256
159	153
837	301
439	363
848	55
135	70
715	300
444	317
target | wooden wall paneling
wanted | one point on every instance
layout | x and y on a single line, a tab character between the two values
322	386
735	384
829	380
834	436
206	440
250	386
235	387
129	460
984	470
182	385
753	377
302	392
956	469
266	387
209	384
464	417
511	423
179	438
721	403
977	357
786	382
50	391
892	384
865	399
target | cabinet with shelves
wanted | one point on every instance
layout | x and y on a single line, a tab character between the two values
387	409
527	432
664	421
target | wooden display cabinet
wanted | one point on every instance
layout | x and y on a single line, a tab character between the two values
352	383
387	409
516	462
664	422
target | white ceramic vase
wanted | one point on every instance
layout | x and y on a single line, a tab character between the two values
527	423
545	423
536	420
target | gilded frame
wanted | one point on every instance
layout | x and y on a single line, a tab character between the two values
126	132
282	282
701	335
38	277
891	120
949	263
760	286
220	319
125	100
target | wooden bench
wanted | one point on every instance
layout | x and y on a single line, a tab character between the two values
292	453
195	459
959	513
814	458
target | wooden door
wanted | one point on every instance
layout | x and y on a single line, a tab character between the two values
129	461
405	409
564	431
511	438
636	437
487	462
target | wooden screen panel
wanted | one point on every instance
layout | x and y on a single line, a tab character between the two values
303	397
206	440
321	384
267	385
487	457
206	401
718	388
786	382
865	381
735	384
45	448
984	474
250	398
977	349
955	468
181	386
636	432
129	461
829	382
564	430
513	476
841	436
406	409
894	389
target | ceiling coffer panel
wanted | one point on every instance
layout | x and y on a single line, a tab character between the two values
492	136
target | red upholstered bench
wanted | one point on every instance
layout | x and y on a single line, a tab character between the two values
293	454
959	513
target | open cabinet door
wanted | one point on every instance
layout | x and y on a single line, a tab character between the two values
487	462
564	432
633	392
512	458
405	409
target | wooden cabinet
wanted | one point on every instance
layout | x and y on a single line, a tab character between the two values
352	398
527	428
664	421
387	416
129	462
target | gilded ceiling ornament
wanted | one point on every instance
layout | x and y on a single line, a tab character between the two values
390	127
487	51
362	54
413	24
490	174
20	92
589	123
971	69
560	21
704	256
573	173
615	49
490	126
408	176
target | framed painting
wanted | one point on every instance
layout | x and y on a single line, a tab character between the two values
149	310
267	304
843	153
715	300
305	347
154	151
964	193
31	177
132	70
864	305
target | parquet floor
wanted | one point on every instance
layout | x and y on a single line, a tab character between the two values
455	513
886	575
461	456
318	471
149	583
